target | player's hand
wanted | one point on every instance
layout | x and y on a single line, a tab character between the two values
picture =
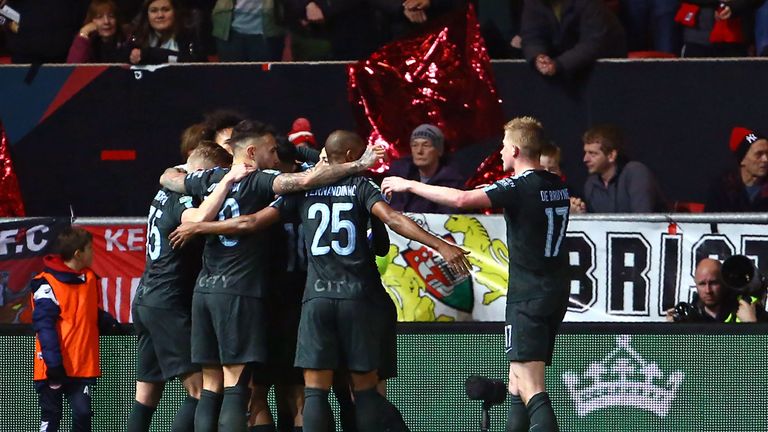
416	4
314	13
373	154
416	16
747	312
238	172
135	57
578	206
182	235
669	314
394	184
456	258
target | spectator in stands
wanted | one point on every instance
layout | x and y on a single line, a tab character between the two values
426	165
247	31
500	27
744	189
161	36
101	39
221	122
550	159
563	37
714	28
715	303
761	30
405	16
46	29
335	30
616	184
650	25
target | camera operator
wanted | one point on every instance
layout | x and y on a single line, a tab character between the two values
715	302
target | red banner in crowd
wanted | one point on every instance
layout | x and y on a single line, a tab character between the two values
118	259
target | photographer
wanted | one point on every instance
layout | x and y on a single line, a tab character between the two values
715	303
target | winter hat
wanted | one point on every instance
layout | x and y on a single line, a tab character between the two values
301	133
741	140
430	132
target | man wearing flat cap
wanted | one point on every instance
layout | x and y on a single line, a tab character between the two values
426	165
746	188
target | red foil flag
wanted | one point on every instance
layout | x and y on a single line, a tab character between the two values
11	204
440	76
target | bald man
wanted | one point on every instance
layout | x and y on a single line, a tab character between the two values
715	304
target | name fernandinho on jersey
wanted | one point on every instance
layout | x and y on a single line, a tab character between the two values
336	191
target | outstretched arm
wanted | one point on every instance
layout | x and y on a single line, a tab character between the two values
456	198
212	203
320	175
173	179
401	224
260	220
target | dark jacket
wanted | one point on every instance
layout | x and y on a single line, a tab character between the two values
586	32
632	190
190	50
408	202
728	194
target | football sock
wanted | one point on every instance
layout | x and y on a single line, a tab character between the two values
541	414
234	415
207	412
346	409
140	418
517	416
185	416
376	413
317	410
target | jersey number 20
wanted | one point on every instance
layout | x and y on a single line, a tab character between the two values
332	216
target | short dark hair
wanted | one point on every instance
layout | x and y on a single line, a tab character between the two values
213	153
286	151
222	119
610	138
71	240
249	129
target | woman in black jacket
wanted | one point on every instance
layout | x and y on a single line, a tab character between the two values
162	37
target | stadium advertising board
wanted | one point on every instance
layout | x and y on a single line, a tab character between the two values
620	271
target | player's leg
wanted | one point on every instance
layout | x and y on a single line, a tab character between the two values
50	401
317	409
317	352
205	352
79	398
361	340
241	330
185	416
149	377
209	405
342	389
259	414
290	407
517	415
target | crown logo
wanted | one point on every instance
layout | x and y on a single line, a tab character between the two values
623	378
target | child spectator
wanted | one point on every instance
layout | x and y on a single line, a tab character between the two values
67	319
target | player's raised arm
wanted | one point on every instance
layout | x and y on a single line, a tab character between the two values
456	198
211	204
325	174
401	224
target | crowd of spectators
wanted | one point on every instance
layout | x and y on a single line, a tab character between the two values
555	36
